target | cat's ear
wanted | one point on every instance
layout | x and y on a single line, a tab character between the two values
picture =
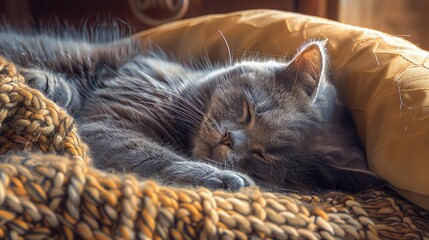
307	71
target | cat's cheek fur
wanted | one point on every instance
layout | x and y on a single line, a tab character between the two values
221	153
200	150
203	140
206	145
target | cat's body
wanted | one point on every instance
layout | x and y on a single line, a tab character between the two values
278	124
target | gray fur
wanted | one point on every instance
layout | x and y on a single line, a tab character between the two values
275	123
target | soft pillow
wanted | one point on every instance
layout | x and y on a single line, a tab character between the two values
384	80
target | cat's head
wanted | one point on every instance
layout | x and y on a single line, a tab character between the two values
275	121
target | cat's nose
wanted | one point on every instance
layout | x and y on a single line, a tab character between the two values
236	140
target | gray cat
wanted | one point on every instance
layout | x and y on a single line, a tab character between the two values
275	123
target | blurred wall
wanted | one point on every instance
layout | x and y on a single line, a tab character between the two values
405	18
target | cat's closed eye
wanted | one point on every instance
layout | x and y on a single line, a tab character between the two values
259	153
247	112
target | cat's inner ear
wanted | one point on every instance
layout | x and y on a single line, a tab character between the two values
307	69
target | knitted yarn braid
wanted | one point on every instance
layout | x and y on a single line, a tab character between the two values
49	190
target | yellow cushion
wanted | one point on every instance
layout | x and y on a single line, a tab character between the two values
384	80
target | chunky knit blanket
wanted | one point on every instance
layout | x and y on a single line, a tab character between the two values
48	189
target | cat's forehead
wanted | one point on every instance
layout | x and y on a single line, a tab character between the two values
259	66
246	71
283	125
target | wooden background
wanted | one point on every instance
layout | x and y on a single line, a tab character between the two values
406	18
23	12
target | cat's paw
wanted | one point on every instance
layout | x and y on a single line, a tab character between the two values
227	180
191	173
50	84
40	80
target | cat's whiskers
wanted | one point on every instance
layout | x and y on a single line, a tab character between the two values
214	121
180	110
196	94
222	165
166	100
159	122
185	113
227	47
109	110
181	113
167	94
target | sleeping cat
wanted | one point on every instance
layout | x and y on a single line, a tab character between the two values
274	123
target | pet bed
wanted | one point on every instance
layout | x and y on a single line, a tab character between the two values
49	190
